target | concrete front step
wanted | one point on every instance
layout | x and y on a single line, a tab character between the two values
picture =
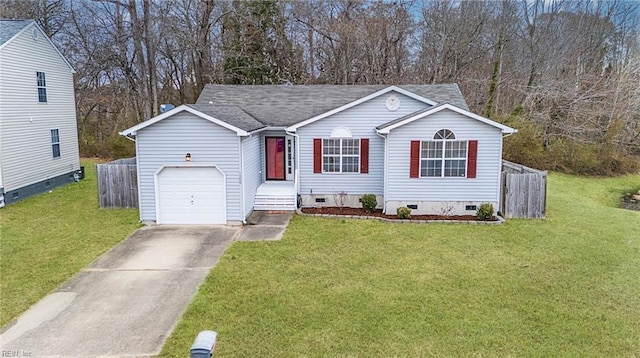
272	202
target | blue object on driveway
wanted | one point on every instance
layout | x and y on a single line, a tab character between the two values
204	345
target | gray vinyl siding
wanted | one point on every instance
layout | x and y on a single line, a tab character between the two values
252	170
168	141
361	120
25	124
483	188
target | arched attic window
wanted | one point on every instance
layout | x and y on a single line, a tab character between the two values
341	132
444	134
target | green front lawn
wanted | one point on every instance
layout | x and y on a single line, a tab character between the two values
48	238
565	286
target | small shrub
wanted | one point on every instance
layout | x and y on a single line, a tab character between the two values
485	212
340	199
369	202
403	212
447	209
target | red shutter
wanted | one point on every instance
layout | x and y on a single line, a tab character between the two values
472	158
364	155
414	168
317	155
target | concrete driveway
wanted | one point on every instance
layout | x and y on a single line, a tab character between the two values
125	304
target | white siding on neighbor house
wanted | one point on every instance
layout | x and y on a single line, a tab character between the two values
168	141
251	164
483	188
25	124
361	120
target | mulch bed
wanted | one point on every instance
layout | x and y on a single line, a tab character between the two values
379	214
628	202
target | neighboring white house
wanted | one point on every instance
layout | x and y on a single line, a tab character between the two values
245	148
38	134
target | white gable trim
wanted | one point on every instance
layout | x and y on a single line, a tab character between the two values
294	127
17	34
26	28
134	130
502	127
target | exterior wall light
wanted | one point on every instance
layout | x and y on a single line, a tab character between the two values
187	157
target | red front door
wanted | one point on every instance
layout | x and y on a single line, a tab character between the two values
275	158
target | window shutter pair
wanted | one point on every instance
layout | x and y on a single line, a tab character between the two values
472	159
364	155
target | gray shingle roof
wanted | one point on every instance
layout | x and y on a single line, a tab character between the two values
9	28
281	105
233	115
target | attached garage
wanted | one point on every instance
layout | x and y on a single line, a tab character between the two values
190	195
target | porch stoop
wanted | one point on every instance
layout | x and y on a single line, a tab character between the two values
275	195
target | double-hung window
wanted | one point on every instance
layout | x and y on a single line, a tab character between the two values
42	87
340	155
444	156
55	143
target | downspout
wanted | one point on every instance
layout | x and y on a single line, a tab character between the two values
498	194
384	173
140	208
242	183
296	178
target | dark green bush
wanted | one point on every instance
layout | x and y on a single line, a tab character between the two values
485	212
565	154
109	148
369	202
403	212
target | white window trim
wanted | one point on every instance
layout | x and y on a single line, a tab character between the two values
44	78
342	155
55	143
443	159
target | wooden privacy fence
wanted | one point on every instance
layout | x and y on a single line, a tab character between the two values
523	191
118	184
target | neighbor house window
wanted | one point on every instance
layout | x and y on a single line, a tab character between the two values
340	155
444	156
55	143
42	87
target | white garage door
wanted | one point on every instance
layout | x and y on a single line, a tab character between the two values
191	195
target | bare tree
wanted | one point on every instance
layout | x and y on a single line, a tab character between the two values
568	68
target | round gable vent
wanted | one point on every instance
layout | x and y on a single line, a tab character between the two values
393	102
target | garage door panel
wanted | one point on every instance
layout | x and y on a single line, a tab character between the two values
191	195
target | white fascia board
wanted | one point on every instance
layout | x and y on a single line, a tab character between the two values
32	24
502	127
411	94
17	34
54	47
294	127
134	130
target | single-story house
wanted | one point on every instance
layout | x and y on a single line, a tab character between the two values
243	148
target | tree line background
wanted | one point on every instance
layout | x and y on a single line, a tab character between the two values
565	73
